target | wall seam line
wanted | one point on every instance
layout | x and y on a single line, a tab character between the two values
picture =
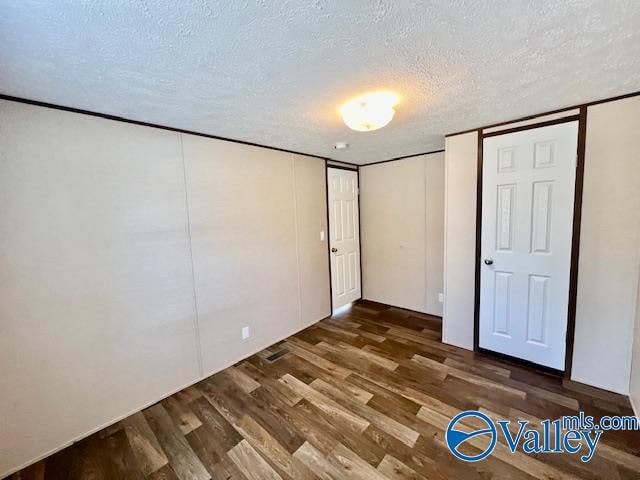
444	247
196	318
297	228
426	236
633	333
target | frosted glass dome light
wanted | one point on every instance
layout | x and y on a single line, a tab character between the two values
370	111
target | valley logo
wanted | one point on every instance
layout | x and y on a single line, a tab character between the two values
569	434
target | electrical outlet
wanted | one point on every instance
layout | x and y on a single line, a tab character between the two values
441	297
322	235
245	333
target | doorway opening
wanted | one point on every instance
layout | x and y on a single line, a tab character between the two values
528	218
343	210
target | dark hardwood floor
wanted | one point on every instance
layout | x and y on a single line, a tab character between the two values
366	395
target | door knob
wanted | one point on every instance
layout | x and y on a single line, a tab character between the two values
334	250
488	261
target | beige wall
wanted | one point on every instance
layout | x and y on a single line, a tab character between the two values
609	246
434	181
401	205
313	261
609	243
461	159
634	384
97	284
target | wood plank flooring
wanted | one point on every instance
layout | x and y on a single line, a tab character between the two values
366	395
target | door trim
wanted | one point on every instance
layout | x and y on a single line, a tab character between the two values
550	112
575	246
556	121
575	241
326	190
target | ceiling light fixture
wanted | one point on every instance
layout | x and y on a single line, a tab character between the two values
370	111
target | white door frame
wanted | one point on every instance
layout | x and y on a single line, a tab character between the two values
356	170
575	241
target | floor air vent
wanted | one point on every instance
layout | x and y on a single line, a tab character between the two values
275	356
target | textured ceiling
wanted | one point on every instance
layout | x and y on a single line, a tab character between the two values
275	72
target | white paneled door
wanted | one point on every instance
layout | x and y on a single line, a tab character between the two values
344	240
528	183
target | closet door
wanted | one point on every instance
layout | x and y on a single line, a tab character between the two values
528	184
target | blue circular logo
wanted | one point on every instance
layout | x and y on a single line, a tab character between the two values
455	437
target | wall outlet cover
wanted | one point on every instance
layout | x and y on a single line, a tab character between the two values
441	297
245	333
